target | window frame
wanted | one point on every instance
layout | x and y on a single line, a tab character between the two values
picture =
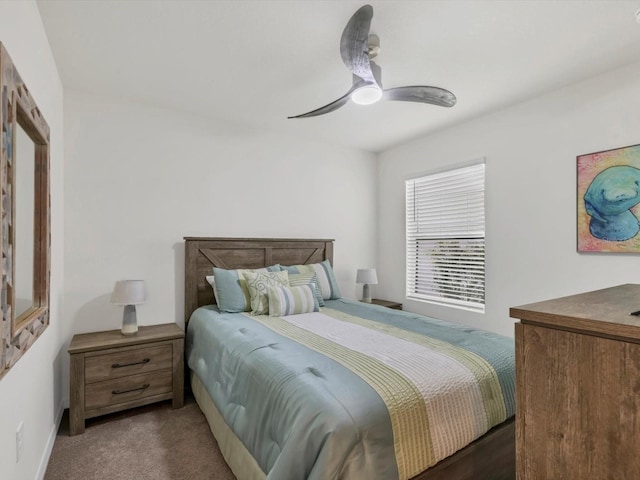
444	290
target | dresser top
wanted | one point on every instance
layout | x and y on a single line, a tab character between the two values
87	342
604	312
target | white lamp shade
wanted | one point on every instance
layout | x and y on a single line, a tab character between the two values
367	275
129	292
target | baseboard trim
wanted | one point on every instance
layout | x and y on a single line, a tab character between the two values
42	469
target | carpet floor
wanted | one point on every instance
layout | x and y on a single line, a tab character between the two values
147	443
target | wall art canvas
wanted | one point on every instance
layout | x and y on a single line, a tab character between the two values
609	201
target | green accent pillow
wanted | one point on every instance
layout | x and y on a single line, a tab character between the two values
296	279
258	284
326	279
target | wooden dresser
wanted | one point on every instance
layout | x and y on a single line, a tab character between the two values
578	386
112	372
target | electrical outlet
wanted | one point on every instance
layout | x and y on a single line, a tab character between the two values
19	442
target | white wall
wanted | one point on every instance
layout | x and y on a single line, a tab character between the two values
32	390
530	152
138	179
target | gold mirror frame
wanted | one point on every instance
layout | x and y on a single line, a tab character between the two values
17	107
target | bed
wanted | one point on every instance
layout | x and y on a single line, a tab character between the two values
286	400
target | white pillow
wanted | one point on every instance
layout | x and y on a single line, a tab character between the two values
212	281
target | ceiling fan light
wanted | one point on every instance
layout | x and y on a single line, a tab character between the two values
367	95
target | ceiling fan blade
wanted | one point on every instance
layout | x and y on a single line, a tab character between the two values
336	104
354	43
432	95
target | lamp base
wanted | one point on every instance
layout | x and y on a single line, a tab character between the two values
129	320
366	296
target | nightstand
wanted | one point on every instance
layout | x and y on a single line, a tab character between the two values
387	303
112	372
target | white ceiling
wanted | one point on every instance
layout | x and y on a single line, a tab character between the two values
253	63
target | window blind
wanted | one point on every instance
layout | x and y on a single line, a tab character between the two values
445	237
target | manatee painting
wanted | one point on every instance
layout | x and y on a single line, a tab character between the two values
608	201
608	193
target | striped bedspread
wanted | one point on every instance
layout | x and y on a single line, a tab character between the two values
376	393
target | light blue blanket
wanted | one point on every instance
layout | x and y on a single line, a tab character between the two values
306	414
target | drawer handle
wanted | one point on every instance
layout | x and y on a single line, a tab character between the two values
117	365
120	392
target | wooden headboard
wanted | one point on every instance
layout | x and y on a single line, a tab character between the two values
204	253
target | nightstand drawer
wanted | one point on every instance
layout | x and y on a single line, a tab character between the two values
127	362
135	387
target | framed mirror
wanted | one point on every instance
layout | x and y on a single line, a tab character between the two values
25	208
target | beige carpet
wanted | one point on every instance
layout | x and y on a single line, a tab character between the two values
147	443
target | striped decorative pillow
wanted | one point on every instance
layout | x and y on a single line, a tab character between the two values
326	279
292	300
296	279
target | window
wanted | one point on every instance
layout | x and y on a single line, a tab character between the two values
445	237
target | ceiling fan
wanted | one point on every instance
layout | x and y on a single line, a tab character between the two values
357	48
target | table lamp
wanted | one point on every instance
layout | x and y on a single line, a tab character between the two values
367	276
129	293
